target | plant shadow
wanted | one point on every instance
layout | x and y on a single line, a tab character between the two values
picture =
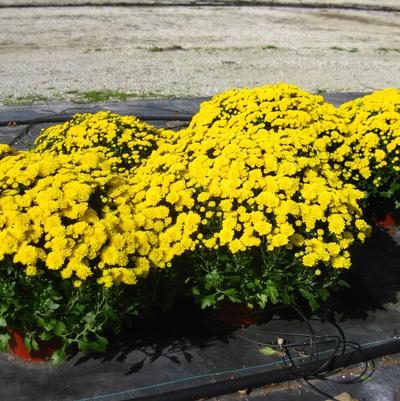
177	336
374	279
182	333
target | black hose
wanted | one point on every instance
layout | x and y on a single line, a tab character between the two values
275	376
208	3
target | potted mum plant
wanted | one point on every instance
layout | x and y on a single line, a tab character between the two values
268	218
373	164
69	240
73	240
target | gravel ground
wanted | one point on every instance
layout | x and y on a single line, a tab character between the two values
58	53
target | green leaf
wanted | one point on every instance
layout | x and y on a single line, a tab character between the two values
58	356
47	325
35	344
272	293
262	300
314	305
102	342
132	310
311	298
343	283
27	343
306	294
60	328
3	322
51	305
234	299
212	279
208	300
46	336
229	291
268	351
89	318
323	293
99	345
195	291
286	297
4	340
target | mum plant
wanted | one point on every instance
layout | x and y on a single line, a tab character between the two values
70	238
124	140
373	164
270	218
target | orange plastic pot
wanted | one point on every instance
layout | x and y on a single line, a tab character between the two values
18	348
388	221
239	315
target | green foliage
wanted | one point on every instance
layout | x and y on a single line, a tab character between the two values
157	49
77	317
388	49
24	100
352	50
104	95
257	278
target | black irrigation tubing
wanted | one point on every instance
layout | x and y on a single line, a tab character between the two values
24	132
40	120
356	7
276	376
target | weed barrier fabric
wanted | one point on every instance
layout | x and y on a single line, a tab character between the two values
20	125
184	352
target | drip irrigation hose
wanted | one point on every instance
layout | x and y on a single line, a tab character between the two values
343	354
375	349
305	372
255	380
206	3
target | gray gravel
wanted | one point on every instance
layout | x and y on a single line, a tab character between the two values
196	51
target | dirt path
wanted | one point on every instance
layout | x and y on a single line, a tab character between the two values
62	52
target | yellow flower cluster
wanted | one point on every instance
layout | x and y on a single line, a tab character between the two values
6	150
71	214
254	169
106	197
374	123
276	108
124	140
